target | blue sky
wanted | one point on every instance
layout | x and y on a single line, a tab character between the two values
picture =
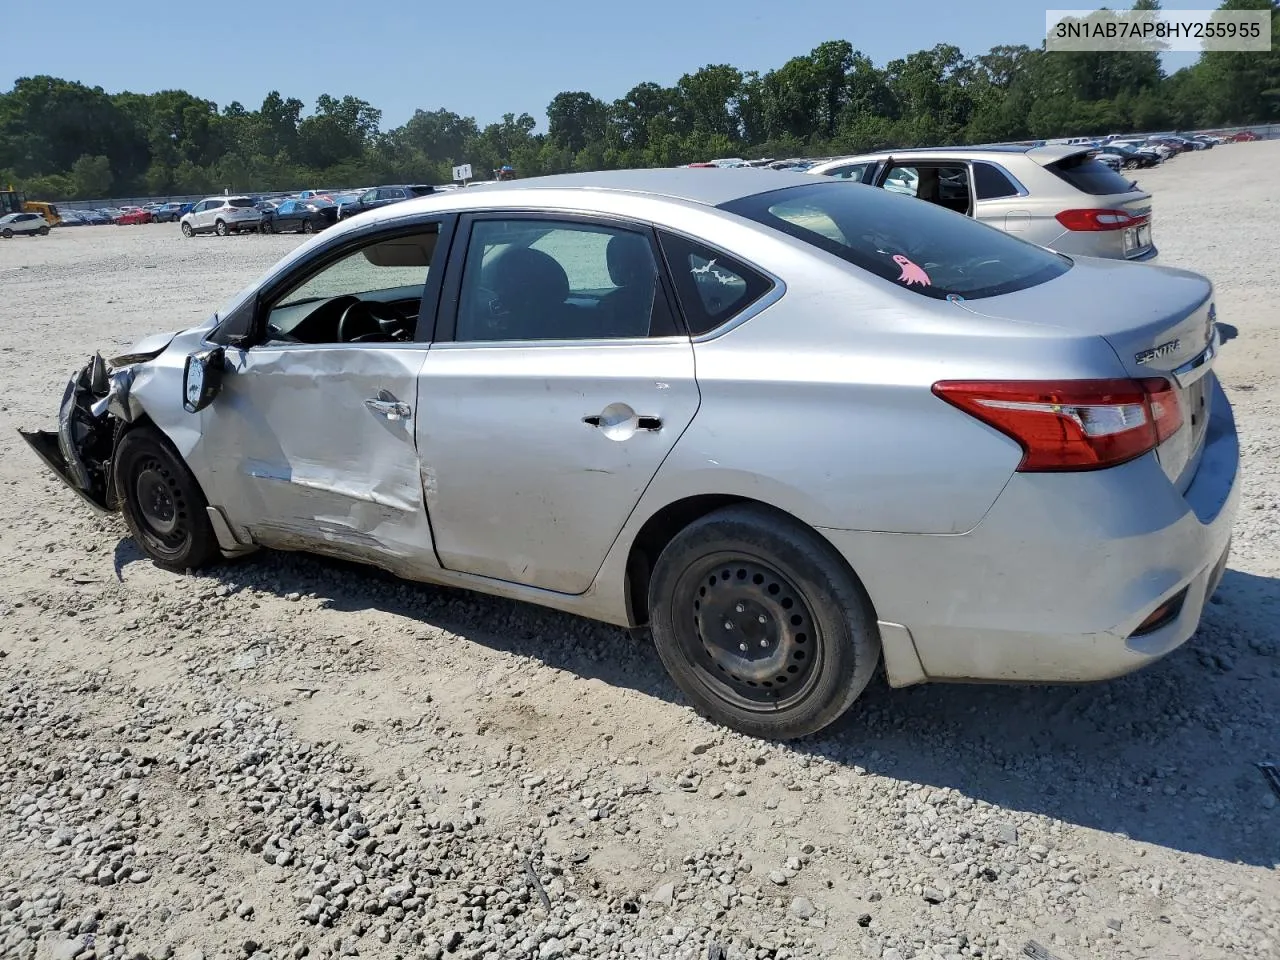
478	58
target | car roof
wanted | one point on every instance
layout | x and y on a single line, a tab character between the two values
710	185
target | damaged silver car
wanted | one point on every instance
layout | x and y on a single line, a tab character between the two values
794	427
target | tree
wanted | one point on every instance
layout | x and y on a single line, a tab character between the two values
91	176
577	119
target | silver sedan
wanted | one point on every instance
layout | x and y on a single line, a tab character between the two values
793	427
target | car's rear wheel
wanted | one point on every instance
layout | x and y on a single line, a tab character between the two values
761	624
266	226
308	226
220	228
187	231
162	504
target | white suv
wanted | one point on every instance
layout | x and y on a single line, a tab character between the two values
221	215
25	223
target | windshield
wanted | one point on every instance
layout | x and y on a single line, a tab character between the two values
923	247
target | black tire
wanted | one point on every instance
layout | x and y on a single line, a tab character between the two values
265	226
44	231
7	234
187	231
308	226
162	503
220	228
778	586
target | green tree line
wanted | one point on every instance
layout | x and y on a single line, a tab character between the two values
63	140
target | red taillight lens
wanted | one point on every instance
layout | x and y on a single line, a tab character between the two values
1095	220
1072	424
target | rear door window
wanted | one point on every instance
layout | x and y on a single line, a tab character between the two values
916	246
1089	175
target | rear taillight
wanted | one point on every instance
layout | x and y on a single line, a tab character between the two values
1072	424
1099	219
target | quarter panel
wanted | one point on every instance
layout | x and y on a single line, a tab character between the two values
822	406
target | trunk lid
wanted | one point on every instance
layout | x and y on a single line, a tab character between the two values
1159	321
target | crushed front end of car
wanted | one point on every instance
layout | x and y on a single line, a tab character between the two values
96	407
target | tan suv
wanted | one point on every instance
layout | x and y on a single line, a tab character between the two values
1056	196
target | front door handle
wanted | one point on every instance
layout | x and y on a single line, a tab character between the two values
387	406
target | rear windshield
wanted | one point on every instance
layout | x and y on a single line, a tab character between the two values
421	191
1089	176
918	245
240	202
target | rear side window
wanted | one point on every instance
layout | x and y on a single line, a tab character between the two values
920	247
991	182
711	285
1089	175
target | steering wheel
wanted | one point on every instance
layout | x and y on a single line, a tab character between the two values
360	323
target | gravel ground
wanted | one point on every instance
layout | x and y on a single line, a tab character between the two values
290	757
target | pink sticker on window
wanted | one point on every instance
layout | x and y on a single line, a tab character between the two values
910	272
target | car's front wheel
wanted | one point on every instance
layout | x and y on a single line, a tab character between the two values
761	624
162	504
220	228
265	227
6	233
44	231
308	226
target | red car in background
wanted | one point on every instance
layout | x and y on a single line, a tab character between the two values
1244	136
131	215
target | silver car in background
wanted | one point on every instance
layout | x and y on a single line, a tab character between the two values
789	425
1057	196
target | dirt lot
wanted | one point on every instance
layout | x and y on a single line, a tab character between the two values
290	757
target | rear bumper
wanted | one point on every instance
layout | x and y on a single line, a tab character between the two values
1053	583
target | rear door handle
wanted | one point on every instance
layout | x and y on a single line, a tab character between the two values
387	406
642	423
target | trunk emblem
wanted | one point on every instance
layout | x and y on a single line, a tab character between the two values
1155	353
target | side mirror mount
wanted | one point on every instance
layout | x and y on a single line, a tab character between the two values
202	379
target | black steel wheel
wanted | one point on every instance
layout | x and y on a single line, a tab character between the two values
162	503
754	638
761	624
